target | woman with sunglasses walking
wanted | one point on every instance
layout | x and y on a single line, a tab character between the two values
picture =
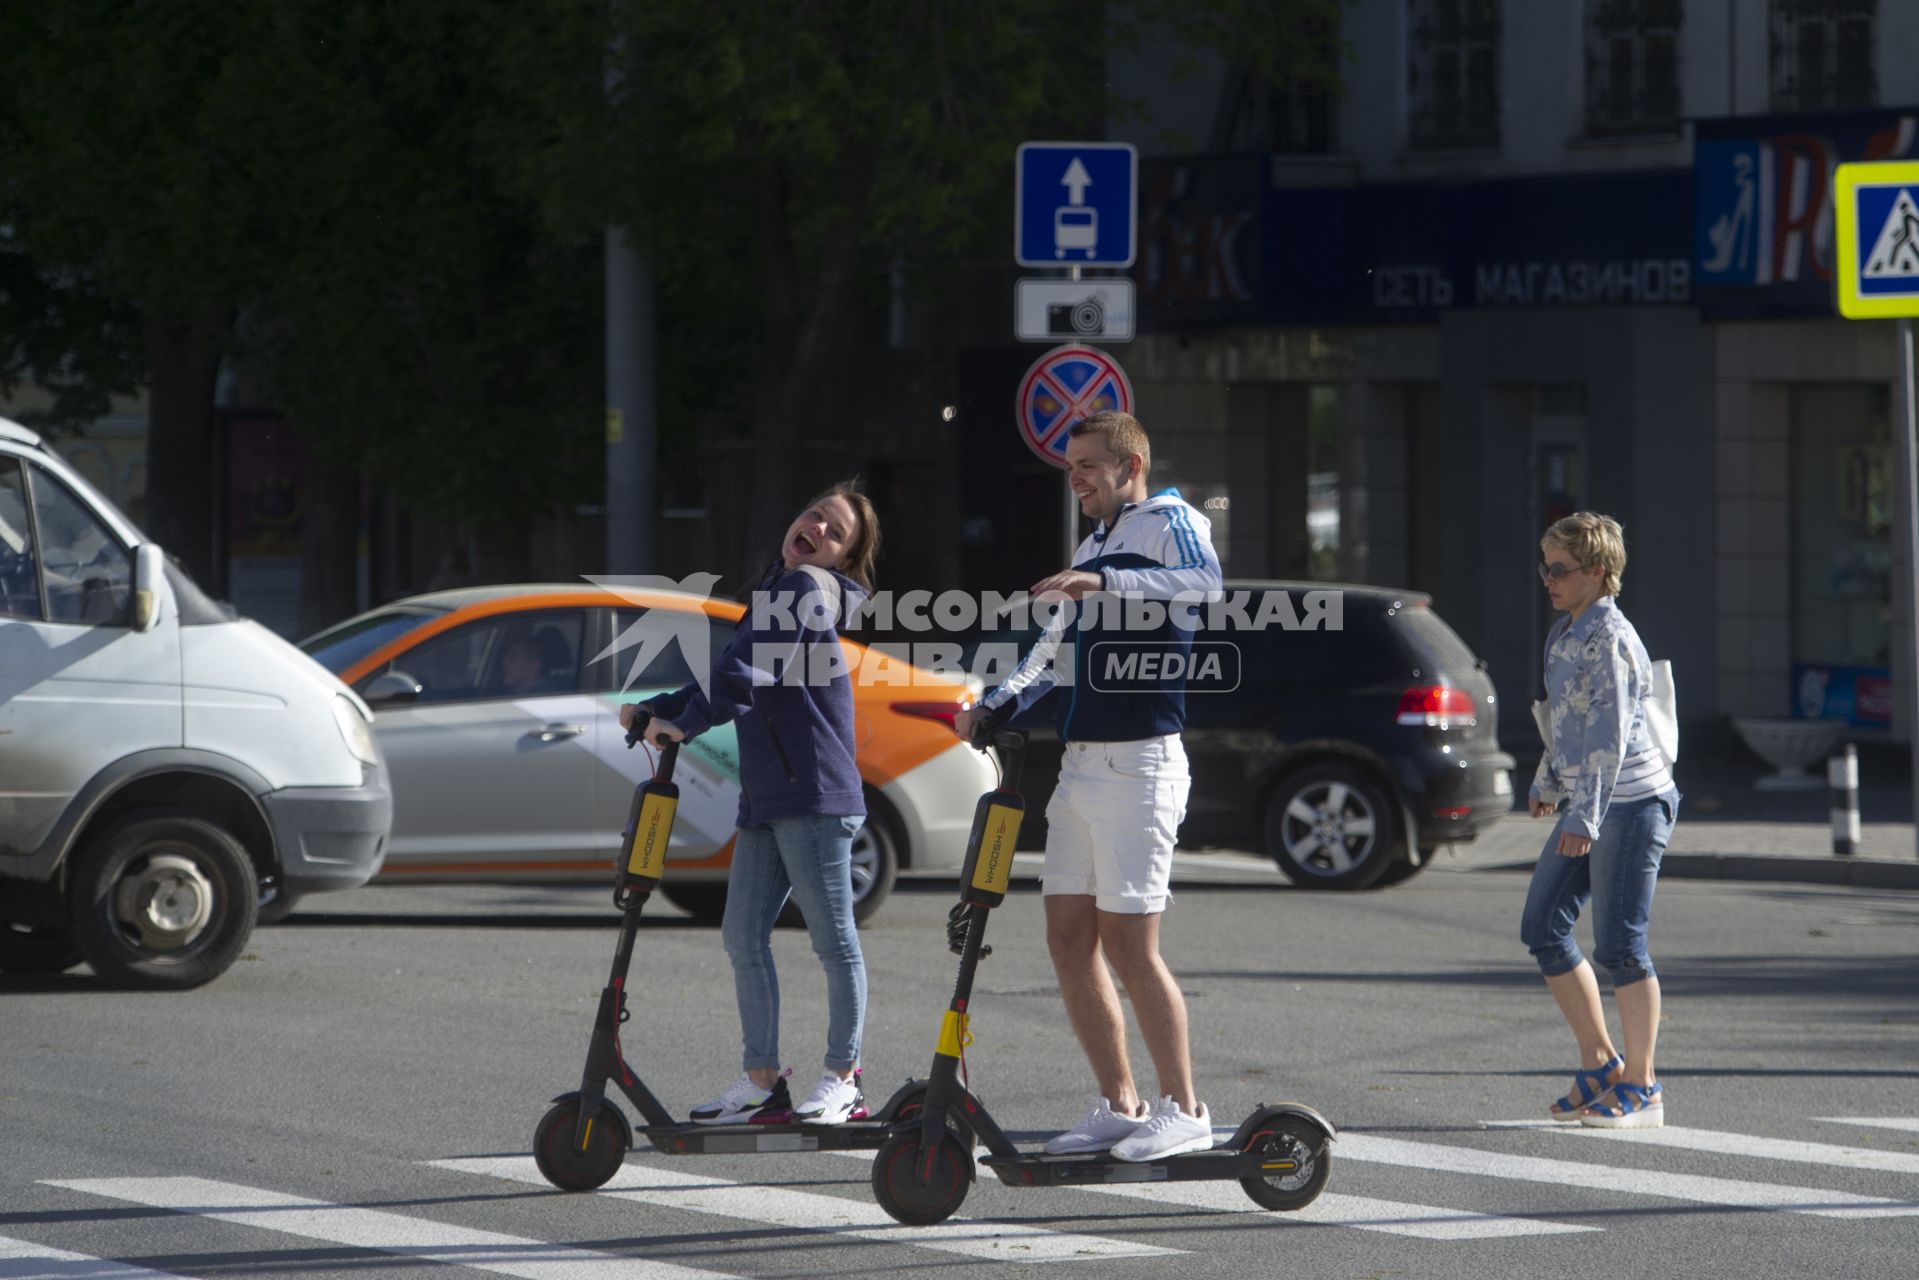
1612	791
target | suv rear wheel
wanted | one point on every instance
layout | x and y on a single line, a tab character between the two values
1332	826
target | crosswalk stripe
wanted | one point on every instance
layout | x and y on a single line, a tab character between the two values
1736	1144
1907	1123
1636	1182
1363	1213
776	1206
25	1260
381	1231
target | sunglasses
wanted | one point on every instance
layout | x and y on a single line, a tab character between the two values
1557	572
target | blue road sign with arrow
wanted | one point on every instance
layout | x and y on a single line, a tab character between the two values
1074	204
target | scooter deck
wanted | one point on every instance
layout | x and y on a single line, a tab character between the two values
1038	1169
691	1139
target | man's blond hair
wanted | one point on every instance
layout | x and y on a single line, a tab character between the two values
1594	542
1121	432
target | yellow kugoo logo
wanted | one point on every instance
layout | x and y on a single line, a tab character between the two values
995	867
650	836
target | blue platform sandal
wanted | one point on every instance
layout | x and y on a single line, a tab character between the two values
1631	1108
1588	1087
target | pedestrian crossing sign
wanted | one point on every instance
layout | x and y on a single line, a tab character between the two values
1876	239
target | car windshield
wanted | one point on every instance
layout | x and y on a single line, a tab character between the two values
338	648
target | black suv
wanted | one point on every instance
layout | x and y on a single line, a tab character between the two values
1348	740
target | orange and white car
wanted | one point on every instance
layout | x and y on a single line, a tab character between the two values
497	709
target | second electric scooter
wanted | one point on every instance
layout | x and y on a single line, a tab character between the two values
583	1139
1281	1154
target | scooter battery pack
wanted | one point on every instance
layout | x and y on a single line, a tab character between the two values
989	849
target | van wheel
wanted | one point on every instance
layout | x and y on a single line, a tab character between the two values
26	948
1331	826
162	901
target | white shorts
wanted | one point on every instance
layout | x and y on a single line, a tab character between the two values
1112	820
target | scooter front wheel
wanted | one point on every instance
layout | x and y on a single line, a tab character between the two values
1301	1161
557	1150
898	1188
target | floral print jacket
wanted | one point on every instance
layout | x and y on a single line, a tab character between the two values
1597	680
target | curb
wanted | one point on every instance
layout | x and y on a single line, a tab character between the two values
1858	873
1864	873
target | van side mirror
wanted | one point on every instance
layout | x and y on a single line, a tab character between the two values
391	689
149	569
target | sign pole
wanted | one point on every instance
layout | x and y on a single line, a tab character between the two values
1909	481
1876	277
1072	514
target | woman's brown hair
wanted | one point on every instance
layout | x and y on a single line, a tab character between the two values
864	546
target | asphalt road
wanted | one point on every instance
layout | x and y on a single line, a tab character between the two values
356	1097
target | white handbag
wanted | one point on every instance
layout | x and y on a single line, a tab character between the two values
1662	714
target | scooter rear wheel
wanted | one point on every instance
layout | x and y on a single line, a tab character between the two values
897	1185
1286	1138
556	1147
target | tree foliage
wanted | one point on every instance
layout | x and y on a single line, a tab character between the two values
388	216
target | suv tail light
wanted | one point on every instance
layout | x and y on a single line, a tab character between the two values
944	712
1437	706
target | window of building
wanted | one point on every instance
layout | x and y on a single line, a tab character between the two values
1292	119
1839	475
1821	54
1452	73
1632	66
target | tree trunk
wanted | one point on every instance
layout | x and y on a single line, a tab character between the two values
329	547
794	393
183	361
500	553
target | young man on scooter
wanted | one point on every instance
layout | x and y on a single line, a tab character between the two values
1123	784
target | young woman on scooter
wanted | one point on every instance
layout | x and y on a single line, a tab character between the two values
800	798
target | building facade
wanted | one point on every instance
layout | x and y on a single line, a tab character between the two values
1535	257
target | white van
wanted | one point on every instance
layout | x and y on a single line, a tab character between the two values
165	768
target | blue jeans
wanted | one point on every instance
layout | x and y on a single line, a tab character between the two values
812	858
1618	875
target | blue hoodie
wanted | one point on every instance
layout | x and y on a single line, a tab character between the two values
1160	549
795	732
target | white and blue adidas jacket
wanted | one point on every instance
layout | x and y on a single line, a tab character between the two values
1160	549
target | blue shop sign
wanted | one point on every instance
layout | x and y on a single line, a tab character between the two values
1221	244
1861	696
1762	205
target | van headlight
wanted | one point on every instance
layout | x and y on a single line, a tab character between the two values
354	730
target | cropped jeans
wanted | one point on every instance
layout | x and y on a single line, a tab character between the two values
811	858
1617	874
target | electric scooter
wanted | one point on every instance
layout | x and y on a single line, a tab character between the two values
1280	1154
583	1139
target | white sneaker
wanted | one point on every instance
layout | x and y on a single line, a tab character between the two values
833	1100
1099	1130
1167	1132
744	1102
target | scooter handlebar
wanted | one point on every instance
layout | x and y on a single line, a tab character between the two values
642	717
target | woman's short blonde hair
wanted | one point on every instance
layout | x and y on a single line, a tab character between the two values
1594	542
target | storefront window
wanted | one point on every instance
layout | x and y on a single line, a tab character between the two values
1841	490
1322	484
